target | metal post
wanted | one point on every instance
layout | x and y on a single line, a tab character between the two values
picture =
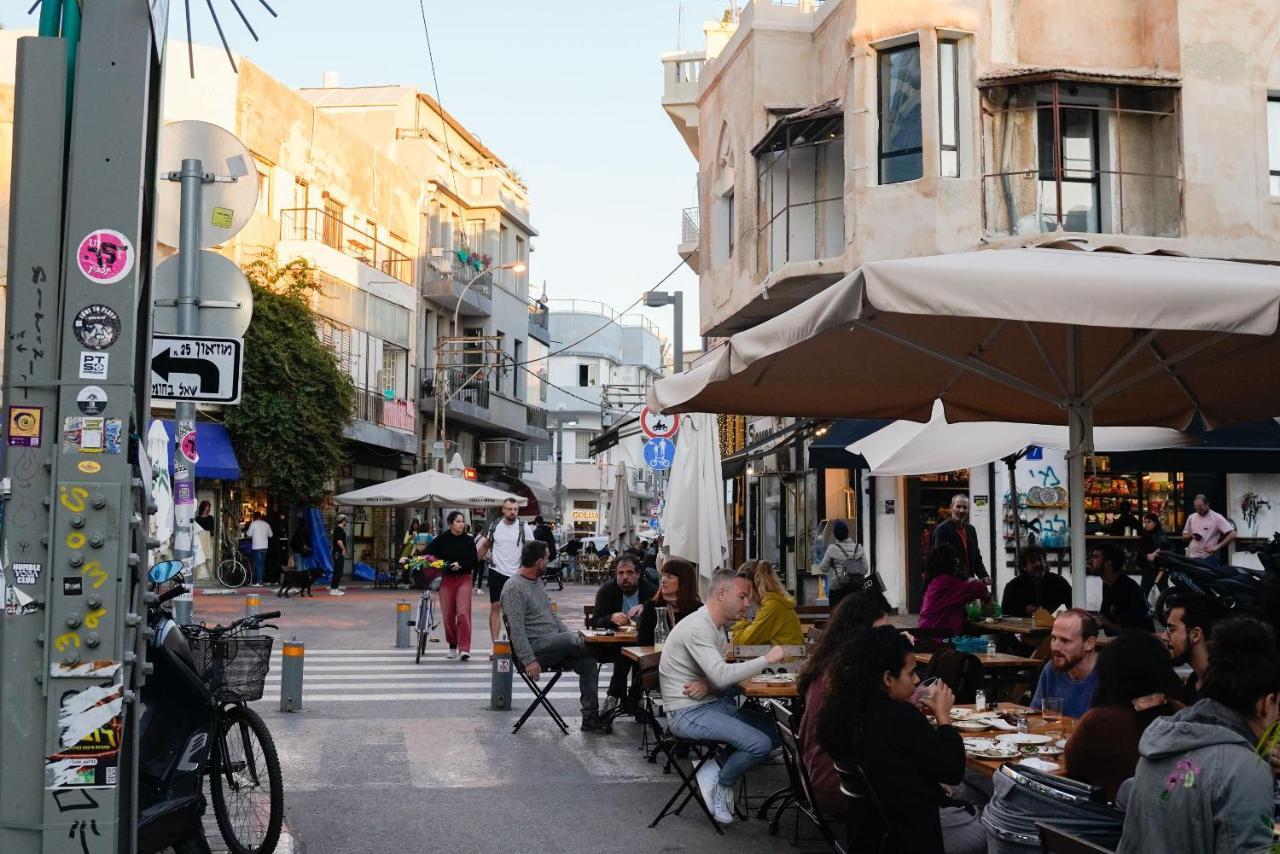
500	677
292	654
560	469
252	603
184	456
677	357
403	622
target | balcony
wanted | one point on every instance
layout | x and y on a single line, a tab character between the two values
540	322
381	422
680	72
690	236
318	225
536	420
446	283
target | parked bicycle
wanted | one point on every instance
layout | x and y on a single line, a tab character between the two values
233	569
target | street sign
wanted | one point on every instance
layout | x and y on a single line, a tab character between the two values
197	370
226	300
655	510
653	524
658	453
656	425
226	205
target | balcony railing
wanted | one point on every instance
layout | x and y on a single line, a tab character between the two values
374	408
690	226
588	306
539	322
474	392
329	229
447	266
536	416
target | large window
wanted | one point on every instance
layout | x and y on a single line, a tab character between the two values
901	139
582	449
949	108
1273	142
395	371
1070	181
800	179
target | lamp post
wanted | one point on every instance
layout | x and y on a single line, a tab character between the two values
561	423
675	299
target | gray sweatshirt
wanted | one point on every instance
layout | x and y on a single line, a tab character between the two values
528	610
695	650
1200	787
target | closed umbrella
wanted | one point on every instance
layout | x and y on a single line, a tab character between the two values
158	445
693	520
620	526
1039	336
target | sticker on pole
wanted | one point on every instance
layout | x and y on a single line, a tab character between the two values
659	453
96	326
105	256
656	425
201	370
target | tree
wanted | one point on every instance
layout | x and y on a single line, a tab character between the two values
297	400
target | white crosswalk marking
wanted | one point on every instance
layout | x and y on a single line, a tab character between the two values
390	675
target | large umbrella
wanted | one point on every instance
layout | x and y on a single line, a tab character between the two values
428	487
693	519
158	450
1028	335
620	527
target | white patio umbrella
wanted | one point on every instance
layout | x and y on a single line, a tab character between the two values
620	525
158	444
693	520
428	487
1027	335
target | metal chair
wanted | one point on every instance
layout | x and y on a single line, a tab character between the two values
801	794
669	744
541	695
1055	841
866	814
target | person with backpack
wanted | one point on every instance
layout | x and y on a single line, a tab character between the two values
844	564
500	546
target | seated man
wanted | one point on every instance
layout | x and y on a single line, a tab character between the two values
1123	606
698	690
1035	587
619	602
1192	617
1071	671
540	639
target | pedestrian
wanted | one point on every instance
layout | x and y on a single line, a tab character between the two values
542	533
407	548
1153	541
501	545
259	542
300	544
956	532
1207	532
844	563
204	516
339	555
458	551
278	556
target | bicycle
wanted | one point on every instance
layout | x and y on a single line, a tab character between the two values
233	570
245	779
426	622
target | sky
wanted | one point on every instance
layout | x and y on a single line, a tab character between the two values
569	94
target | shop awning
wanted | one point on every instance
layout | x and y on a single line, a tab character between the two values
734	464
540	498
216	458
1252	448
829	451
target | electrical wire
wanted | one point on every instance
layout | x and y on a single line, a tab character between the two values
435	82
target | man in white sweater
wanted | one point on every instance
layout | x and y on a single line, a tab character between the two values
699	691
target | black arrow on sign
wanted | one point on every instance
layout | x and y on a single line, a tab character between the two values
164	363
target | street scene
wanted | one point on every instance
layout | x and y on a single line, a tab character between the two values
701	425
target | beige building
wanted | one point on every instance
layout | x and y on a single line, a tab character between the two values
832	133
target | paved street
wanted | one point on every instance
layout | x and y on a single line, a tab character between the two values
388	755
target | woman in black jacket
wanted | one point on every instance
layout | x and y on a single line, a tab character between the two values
458	551
677	592
868	718
1154	540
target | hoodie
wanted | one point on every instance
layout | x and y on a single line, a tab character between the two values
1200	787
775	623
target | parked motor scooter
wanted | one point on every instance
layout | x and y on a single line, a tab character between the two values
1239	589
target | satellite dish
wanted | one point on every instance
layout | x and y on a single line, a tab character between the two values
226	301
225	206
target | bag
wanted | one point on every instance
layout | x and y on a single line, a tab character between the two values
853	568
488	535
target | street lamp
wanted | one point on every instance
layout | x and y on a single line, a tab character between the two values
675	299
514	266
561	423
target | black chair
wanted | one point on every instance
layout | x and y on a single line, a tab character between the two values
1055	841
587	611
802	795
867	820
672	746
541	695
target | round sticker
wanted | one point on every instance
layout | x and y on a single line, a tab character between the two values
187	444
89	466
92	400
97	326
105	256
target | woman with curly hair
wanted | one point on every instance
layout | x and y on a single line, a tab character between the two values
869	719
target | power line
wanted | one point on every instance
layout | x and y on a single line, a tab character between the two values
435	81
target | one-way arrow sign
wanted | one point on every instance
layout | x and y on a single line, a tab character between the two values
202	370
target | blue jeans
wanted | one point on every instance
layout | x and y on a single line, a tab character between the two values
750	733
259	565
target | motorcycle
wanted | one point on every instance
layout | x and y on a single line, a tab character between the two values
196	724
1239	589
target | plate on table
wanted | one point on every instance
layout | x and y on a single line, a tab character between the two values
1021	738
962	714
774	679
1040	749
989	748
972	725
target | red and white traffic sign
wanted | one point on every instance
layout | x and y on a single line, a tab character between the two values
656	425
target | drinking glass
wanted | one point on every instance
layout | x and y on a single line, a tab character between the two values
924	690
1052	709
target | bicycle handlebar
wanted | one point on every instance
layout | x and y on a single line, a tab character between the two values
269	615
170	594
252	621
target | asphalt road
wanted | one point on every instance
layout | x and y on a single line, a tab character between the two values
387	756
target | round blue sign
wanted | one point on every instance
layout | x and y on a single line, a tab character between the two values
658	453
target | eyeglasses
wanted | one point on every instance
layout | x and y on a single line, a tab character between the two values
770	671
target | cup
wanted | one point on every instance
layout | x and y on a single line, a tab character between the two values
924	691
1052	709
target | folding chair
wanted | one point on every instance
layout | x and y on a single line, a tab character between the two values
866	813
668	743
541	695
1055	841
801	795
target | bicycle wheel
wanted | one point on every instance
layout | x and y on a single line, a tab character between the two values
246	784
423	626
232	573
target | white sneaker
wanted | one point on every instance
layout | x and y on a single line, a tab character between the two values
451	654
707	783
466	656
723	809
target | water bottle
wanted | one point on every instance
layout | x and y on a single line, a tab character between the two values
980	700
660	630
991	647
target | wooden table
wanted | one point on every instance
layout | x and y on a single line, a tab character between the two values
1007	625
995	660
635	653
988	767
615	639
766	691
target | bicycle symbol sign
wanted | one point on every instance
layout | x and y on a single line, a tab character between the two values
658	454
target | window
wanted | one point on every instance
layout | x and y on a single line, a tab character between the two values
901	140
301	193
583	440
475	235
517	369
1070	182
264	186
337	337
395	369
588	375
504	363
542	385
800	180
332	232
1273	141
503	237
949	108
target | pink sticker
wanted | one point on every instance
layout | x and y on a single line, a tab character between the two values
187	444
105	256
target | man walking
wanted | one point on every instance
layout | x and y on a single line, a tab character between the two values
619	601
502	544
540	639
961	536
259	541
1207	532
339	555
699	689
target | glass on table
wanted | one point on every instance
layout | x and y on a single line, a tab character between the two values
924	691
1052	709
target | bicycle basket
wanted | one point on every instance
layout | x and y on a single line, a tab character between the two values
245	664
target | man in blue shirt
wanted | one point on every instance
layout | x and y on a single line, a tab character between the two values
1071	672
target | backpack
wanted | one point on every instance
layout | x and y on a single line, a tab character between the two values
961	671
854	566
488	535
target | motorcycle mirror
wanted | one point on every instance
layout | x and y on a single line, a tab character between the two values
164	571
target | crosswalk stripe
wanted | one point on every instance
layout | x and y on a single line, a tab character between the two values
399	653
363	698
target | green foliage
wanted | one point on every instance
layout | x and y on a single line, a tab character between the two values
297	400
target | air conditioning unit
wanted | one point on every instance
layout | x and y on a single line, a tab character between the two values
502	453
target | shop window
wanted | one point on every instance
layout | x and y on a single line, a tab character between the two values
1273	142
901	135
949	108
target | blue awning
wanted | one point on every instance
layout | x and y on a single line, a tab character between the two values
215	458
829	451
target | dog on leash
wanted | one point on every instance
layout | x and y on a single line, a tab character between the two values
299	578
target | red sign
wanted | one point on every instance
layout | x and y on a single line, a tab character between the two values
656	425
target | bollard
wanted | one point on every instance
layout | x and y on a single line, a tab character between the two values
291	655
251	604
500	679
403	622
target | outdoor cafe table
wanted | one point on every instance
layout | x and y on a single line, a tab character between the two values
1035	724
1008	625
998	668
596	637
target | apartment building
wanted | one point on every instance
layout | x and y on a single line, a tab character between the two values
832	133
603	364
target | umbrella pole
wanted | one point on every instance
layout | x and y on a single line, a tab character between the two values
1080	435
1012	462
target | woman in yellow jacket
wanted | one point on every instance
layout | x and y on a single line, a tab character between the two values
775	621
